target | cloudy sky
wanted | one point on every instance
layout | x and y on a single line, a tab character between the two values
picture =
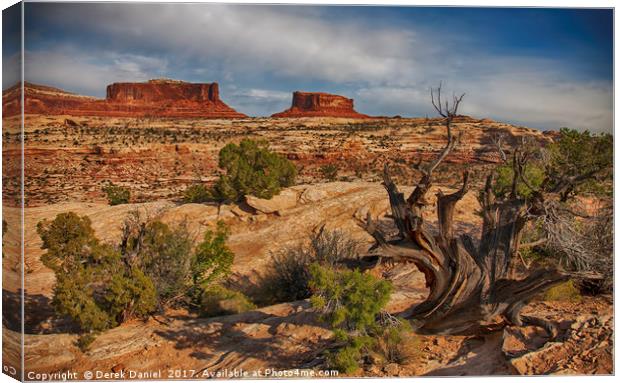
544	68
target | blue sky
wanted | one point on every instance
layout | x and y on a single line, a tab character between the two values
543	68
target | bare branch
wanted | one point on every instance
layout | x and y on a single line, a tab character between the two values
539	242
498	141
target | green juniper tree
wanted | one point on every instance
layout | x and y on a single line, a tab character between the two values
94	286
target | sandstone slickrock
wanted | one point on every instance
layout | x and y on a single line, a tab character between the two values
162	97
284	335
252	239
285	200
317	104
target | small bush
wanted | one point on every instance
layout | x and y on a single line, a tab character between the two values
566	292
218	300
287	278
397	343
251	168
197	193
328	248
329	172
117	195
93	285
349	301
348	358
164	255
130	294
213	259
180	275
74	296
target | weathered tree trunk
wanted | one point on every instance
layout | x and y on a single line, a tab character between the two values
471	287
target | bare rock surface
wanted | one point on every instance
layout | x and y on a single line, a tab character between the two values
586	347
285	200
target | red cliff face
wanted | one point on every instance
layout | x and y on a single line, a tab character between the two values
162	91
314	104
165	98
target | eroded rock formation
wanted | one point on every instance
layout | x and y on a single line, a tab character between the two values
315	104
154	98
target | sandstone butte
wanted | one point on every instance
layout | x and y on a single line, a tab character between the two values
154	98
316	104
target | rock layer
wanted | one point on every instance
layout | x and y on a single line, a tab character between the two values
314	104
155	98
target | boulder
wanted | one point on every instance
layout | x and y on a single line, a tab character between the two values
287	199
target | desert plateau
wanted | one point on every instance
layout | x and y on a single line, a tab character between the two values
75	146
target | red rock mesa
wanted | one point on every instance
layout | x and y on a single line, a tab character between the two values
155	98
314	104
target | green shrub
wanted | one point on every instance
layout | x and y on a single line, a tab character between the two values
93	285
348	358
573	155
197	193
117	195
576	153
218	300
329	172
397	343
213	259
566	291
74	296
287	278
533	173
250	168
349	301
165	256
70	242
130	293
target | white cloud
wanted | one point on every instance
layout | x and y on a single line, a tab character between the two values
388	69
520	92
86	72
287	41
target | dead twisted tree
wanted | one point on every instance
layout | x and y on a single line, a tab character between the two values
472	289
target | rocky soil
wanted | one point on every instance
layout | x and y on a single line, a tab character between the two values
70	158
288	337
